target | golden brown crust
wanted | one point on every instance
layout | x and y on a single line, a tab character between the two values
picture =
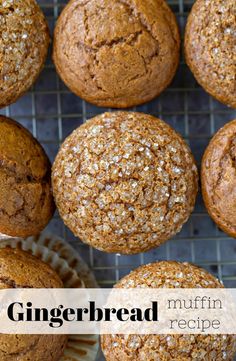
218	177
19	269
210	47
168	274
26	202
24	41
124	182
116	53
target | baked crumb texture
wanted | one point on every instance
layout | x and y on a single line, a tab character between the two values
117	53
24	41
21	270
26	201
168	274
218	178
124	182
210	47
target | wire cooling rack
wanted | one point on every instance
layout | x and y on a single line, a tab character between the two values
50	111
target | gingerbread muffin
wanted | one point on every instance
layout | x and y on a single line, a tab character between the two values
26	201
169	347
21	270
124	182
210	47
24	41
219	178
117	53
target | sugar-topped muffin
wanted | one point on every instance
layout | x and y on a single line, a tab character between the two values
169	274
124	182
210	47
24	41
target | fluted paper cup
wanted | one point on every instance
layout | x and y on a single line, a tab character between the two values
74	273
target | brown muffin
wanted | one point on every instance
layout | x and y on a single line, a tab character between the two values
210	47
26	202
117	53
21	270
168	347
219	178
124	182
24	41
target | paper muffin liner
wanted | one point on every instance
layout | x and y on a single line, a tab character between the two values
74	273
4	236
66	252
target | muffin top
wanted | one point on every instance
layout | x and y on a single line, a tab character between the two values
210	47
219	178
18	269
168	274
117	53
124	182
32	347
26	202
24	40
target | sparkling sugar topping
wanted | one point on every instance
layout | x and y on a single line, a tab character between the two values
169	347
125	176
23	35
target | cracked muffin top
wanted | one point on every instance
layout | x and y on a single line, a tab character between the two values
26	202
116	53
24	41
219	178
210	47
18	269
124	182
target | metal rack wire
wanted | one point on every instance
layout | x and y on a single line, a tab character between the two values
51	112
